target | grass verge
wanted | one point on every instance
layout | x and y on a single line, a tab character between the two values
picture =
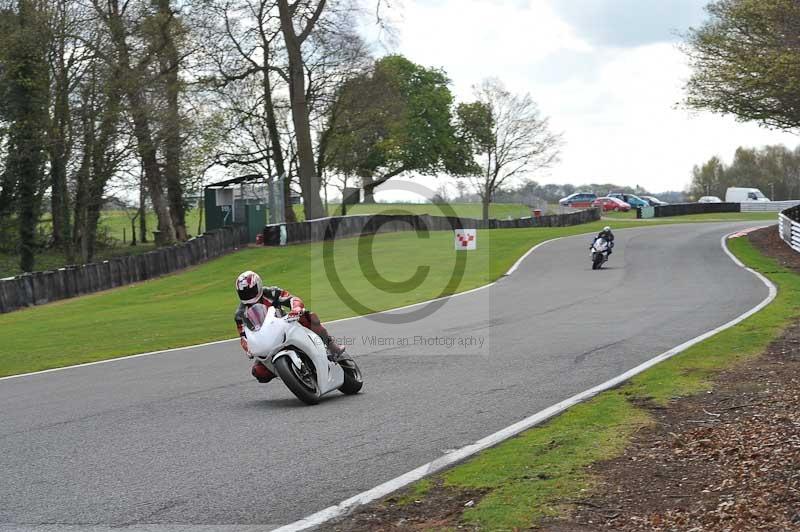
534	475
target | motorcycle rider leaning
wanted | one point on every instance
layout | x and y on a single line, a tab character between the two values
608	236
251	291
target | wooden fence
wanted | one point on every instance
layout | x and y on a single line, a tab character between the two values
39	288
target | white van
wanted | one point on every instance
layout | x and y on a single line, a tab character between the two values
744	195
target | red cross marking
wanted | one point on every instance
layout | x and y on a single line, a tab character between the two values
465	239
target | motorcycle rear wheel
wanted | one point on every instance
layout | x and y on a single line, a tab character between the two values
301	382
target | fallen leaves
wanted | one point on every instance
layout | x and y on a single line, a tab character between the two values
727	461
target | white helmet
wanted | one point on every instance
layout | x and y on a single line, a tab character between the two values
249	287
606	229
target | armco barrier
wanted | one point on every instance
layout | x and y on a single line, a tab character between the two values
351	226
789	227
769	206
39	288
682	209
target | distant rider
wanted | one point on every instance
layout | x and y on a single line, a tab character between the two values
251	291
608	236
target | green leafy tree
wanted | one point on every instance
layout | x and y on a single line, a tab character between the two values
25	107
394	119
708	179
746	61
8	183
775	170
476	125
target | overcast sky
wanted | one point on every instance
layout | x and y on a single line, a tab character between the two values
608	73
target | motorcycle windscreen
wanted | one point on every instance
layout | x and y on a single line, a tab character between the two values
255	317
264	331
600	244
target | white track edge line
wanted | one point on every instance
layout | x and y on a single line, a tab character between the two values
117	359
514	267
344	507
459	294
162	351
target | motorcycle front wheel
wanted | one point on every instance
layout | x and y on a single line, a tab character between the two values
352	377
598	261
302	382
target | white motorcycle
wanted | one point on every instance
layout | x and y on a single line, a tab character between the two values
599	252
298	356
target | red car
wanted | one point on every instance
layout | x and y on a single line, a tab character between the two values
611	204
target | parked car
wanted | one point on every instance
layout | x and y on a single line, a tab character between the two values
578	199
611	204
709	199
631	199
744	195
654	201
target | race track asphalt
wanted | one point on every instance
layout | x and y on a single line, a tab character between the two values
187	438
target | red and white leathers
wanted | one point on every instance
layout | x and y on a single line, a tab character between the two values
274	296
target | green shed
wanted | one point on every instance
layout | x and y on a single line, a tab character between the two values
241	200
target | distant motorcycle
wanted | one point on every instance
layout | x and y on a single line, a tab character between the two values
599	252
298	356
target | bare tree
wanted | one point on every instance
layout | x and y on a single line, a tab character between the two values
63	57
166	32
252	77
133	79
304	15
244	52
336	55
509	136
102	148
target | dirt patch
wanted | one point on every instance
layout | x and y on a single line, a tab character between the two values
768	241
439	508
